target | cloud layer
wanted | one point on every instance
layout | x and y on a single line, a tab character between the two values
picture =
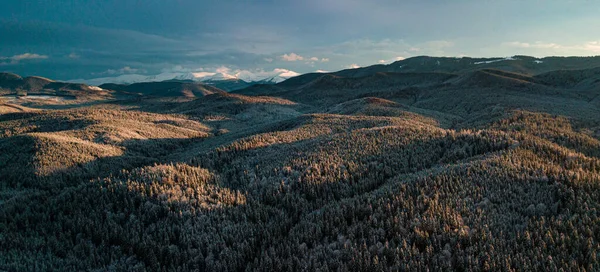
18	58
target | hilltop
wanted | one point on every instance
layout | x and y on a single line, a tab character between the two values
525	65
165	89
465	87
12	84
517	64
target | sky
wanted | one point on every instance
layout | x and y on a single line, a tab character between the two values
75	39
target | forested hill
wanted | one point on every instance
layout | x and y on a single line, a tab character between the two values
482	169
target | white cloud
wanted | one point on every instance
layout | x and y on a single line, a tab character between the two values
181	69
321	71
219	73
269	60
285	72
128	70
590	47
517	44
353	66
382	61
539	45
292	57
223	70
73	56
203	74
27	56
124	70
311	61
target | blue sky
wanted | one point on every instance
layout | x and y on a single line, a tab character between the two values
93	39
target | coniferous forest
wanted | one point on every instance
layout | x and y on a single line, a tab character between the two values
425	170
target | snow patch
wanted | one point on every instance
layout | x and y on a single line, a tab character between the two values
492	61
95	88
223	73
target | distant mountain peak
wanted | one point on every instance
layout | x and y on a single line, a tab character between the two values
272	80
261	77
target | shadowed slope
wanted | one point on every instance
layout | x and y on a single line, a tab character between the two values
87	141
165	89
14	84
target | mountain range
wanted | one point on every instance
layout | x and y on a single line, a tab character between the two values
525	65
223	80
433	164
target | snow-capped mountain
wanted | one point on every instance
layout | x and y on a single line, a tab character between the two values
262	77
271	80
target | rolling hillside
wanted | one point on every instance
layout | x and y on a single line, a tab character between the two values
524	65
12	84
165	89
465	165
516	64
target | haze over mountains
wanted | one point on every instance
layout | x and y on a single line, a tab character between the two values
429	163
